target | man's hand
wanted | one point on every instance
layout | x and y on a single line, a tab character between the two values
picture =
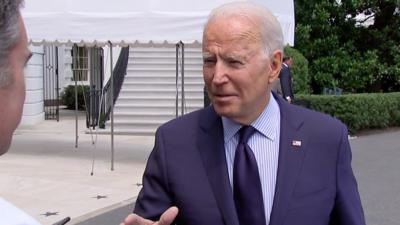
166	218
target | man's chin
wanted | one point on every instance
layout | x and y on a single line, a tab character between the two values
223	110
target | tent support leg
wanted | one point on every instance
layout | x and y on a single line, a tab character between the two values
112	106
76	113
182	79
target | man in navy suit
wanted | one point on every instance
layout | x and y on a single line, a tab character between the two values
303	158
285	78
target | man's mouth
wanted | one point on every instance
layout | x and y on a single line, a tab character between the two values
223	97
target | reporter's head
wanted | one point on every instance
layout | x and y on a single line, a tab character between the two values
14	54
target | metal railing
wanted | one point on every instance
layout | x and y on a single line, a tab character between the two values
98	102
51	90
119	73
93	95
93	109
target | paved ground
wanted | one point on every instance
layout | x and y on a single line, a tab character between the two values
108	216
44	174
376	162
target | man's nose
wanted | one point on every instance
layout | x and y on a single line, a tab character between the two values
220	73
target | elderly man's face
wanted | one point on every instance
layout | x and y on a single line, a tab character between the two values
236	71
12	96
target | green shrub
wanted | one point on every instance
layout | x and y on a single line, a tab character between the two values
359	111
102	121
299	70
68	96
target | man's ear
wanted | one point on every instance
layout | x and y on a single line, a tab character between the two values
275	65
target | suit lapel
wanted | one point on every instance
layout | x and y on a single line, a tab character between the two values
291	154
211	148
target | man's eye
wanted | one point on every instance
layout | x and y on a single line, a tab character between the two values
208	61
235	62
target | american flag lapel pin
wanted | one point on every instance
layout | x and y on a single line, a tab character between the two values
296	143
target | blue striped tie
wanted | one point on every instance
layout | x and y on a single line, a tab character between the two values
246	182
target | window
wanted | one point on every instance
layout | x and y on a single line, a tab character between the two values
79	63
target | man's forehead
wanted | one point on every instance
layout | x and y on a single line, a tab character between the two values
237	52
236	36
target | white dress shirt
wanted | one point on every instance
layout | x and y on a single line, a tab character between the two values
265	146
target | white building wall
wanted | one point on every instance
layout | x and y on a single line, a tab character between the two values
65	67
33	112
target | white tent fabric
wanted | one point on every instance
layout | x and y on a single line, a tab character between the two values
122	22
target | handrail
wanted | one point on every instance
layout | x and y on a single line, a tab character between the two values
119	73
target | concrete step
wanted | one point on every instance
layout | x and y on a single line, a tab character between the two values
135	127
166	74
168	109
169	53
155	64
152	92
157	100
148	95
125	128
163	49
145	60
152	78
163	73
162	84
163	68
157	116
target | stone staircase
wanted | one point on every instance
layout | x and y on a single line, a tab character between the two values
148	95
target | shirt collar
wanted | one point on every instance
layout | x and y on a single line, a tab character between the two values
267	123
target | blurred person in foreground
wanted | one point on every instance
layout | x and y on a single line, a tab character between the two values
14	54
249	158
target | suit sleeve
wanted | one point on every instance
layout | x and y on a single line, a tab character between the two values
155	197
348	208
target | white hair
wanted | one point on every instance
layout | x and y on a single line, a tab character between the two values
266	23
9	32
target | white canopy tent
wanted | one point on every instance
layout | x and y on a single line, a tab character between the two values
96	22
126	22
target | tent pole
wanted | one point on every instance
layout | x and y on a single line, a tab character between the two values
182	79
176	78
112	106
76	113
76	97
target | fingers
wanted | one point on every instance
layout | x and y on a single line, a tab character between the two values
168	216
133	219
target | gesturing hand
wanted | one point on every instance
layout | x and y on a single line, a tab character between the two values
166	218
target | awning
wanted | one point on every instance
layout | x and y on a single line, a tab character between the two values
95	22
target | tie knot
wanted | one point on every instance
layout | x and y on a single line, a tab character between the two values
245	133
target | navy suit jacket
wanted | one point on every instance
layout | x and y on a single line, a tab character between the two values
315	182
285	78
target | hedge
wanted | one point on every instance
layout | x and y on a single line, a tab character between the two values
68	96
358	111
